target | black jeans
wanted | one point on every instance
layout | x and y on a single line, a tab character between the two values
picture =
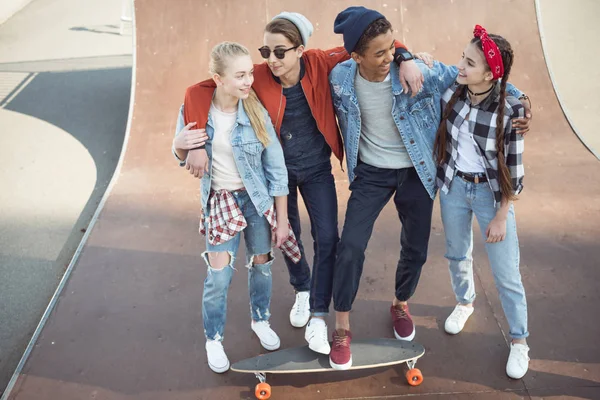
317	187
371	190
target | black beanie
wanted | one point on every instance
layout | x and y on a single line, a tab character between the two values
352	22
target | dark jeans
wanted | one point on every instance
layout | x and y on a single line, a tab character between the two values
371	190
317	187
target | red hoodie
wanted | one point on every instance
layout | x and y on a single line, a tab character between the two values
315	84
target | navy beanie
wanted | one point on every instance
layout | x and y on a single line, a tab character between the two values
352	23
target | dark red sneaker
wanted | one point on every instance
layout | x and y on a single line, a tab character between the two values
404	329
340	356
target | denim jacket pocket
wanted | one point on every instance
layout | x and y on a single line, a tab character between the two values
252	152
423	112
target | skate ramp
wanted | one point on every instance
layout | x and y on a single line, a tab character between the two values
128	324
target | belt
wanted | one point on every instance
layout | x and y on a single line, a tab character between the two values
234	191
475	178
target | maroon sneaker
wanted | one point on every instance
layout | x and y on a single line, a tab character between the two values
404	329
340	356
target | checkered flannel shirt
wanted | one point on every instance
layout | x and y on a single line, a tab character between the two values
226	220
482	123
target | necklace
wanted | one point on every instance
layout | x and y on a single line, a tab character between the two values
479	94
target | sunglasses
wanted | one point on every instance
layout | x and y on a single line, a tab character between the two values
265	52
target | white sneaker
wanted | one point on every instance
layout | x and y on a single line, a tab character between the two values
267	336
217	359
300	313
316	336
518	361
456	321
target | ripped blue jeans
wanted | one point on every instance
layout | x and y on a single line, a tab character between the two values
257	236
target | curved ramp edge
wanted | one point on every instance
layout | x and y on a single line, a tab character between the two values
566	60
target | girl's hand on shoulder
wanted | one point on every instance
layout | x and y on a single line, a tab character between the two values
280	235
190	138
496	230
425	57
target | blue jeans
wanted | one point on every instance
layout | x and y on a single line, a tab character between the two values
371	190
458	206
317	187
257	236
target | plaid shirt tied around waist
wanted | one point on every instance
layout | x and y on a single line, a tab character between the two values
482	124
226	220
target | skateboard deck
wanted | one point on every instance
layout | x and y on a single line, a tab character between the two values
367	353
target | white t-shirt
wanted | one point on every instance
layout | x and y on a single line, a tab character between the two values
225	174
468	159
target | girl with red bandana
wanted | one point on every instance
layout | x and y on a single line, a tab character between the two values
481	173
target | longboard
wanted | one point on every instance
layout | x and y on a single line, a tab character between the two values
366	353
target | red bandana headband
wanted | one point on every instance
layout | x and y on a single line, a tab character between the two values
490	51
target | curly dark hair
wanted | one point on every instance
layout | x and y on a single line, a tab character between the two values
375	28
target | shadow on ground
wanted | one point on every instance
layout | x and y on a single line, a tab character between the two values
92	106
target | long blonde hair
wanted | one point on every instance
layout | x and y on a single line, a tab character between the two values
219	57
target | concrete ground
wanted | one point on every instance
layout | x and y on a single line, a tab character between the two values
65	78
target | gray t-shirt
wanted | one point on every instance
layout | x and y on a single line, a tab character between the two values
380	142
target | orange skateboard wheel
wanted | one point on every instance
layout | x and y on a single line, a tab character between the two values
414	377
262	391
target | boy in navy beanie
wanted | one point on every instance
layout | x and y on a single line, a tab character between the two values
377	152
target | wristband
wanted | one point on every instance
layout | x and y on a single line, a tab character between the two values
403	55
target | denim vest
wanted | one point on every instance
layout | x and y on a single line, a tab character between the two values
262	169
417	118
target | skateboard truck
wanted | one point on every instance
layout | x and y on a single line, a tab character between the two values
262	377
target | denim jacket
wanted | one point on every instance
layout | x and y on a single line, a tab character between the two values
262	169
417	118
